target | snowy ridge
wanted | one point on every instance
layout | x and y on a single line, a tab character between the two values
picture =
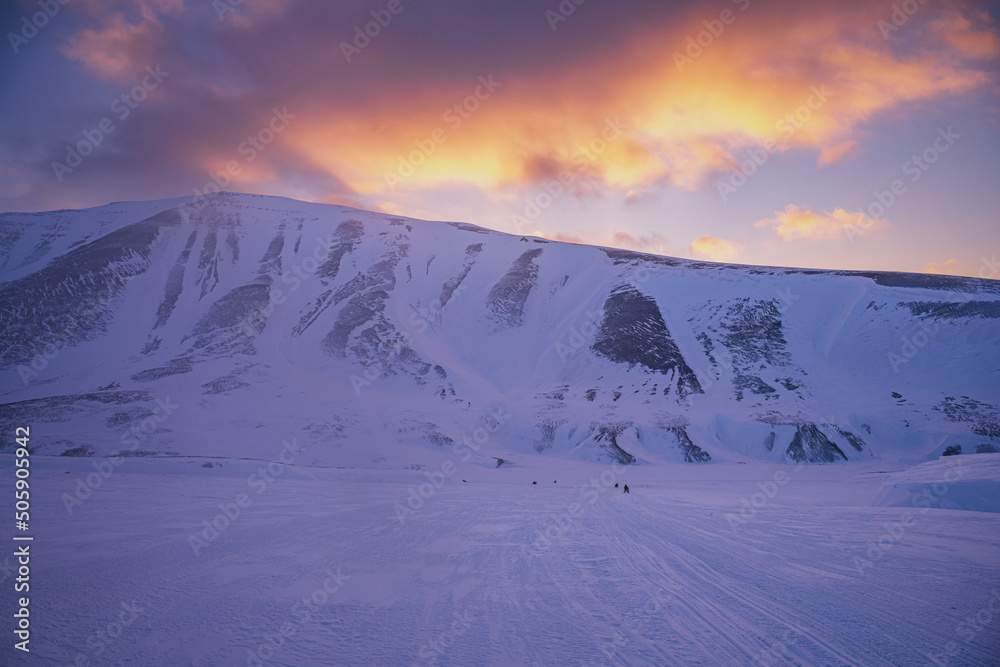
366	335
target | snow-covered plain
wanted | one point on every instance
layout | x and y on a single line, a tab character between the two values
266	432
493	570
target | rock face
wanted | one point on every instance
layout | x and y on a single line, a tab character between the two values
809	444
257	319
633	332
509	295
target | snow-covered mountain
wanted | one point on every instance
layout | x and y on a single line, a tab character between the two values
225	326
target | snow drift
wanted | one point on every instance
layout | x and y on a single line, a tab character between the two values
952	482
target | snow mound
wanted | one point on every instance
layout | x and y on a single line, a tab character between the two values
970	482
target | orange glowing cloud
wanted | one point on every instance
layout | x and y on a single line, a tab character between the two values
654	243
961	35
950	267
680	127
114	51
812	91
630	122
715	248
839	152
796	223
120	48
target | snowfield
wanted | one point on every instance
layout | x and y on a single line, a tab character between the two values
319	569
954	482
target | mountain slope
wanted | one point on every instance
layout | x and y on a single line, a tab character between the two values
221	330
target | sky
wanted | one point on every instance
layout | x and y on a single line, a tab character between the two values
847	135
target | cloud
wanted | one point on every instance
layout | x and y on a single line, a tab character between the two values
601	103
959	32
795	223
950	267
563	237
257	12
673	126
838	152
123	45
715	248
638	195
654	242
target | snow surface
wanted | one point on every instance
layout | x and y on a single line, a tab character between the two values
662	576
969	482
380	394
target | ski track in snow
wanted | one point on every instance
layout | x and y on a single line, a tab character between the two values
656	577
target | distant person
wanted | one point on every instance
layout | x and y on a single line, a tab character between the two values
625	490
616	485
